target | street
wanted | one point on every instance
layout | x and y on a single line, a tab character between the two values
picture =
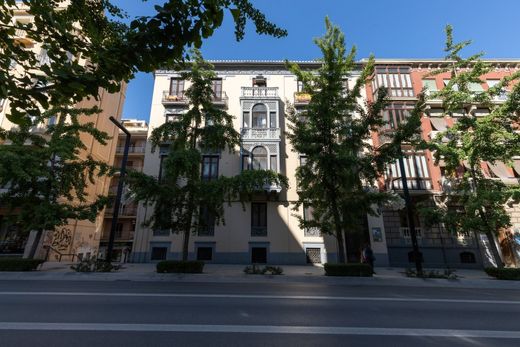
131	313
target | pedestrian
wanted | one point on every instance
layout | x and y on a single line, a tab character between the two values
368	257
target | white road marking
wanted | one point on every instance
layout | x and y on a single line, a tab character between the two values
267	297
260	329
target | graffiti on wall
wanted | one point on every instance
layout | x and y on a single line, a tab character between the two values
62	239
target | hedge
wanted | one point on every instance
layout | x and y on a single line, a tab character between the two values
355	270
179	266
19	264
504	273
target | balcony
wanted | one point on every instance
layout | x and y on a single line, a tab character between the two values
220	100
405	233
124	211
174	99
132	150
259	92
260	133
301	98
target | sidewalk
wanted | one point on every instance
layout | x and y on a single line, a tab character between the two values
234	274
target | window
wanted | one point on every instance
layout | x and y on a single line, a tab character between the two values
132	225
173	117
259	158
206	222
395	113
259	116
274	163
491	84
259	219
430	86
162	167
416	170
299	87
259	255
159	253
216	86
308	216
209	167
205	253
119	230
245	117
245	162
303	160
467	258
177	87
454	87
396	79
313	255
272	119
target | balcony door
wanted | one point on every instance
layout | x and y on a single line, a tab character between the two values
259	120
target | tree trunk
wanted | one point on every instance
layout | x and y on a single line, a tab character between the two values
339	232
185	244
494	249
36	242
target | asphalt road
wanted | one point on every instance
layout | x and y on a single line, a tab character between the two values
127	313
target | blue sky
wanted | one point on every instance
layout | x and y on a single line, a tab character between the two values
388	29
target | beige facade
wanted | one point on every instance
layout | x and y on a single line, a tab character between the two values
249	89
78	238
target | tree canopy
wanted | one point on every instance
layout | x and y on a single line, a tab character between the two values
473	201
183	198
333	132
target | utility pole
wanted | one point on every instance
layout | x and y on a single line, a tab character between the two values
411	222
117	202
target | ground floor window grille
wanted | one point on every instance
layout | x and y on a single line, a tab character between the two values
313	255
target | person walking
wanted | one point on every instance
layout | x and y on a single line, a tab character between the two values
368	257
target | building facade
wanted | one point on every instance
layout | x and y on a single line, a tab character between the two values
257	94
405	79
78	238
126	225
265	230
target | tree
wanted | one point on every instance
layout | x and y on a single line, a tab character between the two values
183	200
333	132
474	202
47	176
66	54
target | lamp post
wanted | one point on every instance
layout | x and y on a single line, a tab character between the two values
411	222
117	202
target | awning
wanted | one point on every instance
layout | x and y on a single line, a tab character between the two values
438	123
500	169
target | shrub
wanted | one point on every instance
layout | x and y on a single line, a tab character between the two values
446	274
180	266
355	270
267	270
19	264
504	273
94	265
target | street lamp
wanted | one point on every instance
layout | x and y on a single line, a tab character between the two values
411	221
117	202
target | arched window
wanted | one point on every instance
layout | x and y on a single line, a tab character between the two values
259	158
259	116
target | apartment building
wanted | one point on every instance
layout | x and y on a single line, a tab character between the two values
78	238
405	79
257	94
266	230
126	224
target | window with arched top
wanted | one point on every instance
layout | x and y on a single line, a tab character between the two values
259	119
259	158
